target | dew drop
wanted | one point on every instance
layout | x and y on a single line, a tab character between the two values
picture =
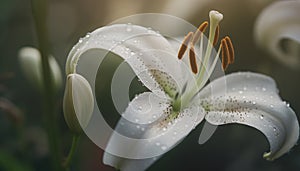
245	88
80	40
129	27
163	148
261	117
157	143
138	126
253	102
136	121
139	108
164	128
264	89
271	106
241	92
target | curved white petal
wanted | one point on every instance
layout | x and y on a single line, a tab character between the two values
252	99
146	122
143	49
277	30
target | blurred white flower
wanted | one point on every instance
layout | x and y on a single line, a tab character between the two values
277	31
31	64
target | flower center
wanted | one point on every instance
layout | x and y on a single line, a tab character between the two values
203	69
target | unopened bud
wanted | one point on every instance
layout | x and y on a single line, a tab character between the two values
78	103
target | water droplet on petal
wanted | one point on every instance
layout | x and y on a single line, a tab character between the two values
241	92
163	148
261	117
129	27
157	143
264	89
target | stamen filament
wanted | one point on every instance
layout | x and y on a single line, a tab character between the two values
184	44
211	69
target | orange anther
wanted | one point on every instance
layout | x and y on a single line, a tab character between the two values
193	62
198	32
184	44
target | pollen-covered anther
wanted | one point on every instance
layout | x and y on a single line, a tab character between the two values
230	49
225	54
217	33
193	61
201	29
185	44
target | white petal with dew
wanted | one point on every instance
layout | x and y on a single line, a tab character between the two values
139	46
152	139
252	99
277	30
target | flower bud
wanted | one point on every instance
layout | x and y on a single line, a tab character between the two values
31	65
78	103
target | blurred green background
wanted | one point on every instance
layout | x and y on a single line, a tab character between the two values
23	142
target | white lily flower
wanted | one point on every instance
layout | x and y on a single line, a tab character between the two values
156	121
277	30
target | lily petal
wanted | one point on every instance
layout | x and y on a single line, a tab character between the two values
277	30
141	48
252	99
145	122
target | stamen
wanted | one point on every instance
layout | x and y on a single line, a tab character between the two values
217	33
193	62
200	30
225	54
230	49
184	44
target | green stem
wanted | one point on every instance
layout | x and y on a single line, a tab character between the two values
39	11
69	159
